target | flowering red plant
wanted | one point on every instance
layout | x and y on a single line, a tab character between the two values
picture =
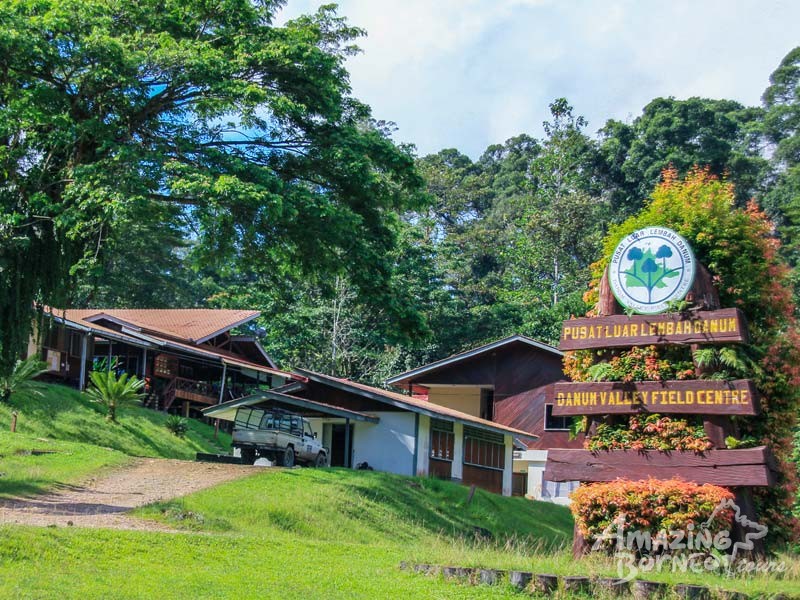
650	505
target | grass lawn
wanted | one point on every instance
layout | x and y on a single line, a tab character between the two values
64	414
308	533
31	465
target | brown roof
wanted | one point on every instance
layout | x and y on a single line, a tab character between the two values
194	325
150	338
412	403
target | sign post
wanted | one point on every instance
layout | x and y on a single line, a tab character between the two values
645	294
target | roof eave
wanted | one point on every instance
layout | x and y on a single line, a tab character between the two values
408	375
211	336
411	407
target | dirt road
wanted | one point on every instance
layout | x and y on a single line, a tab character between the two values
105	500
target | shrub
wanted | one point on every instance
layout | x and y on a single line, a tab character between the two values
650	432
22	378
177	425
650	505
112	391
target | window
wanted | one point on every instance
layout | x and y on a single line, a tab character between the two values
484	448
308	430
297	426
552	423
268	422
442	439
249	418
74	344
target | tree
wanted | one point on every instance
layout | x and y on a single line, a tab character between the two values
782	129
22	378
720	134
247	127
114	391
561	222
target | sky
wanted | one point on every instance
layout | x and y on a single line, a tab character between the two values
469	73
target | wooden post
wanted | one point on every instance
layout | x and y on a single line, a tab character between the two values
186	409
471	495
14	422
717	428
580	547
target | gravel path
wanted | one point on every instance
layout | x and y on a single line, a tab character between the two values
104	501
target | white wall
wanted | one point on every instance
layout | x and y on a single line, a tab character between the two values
534	461
423	445
509	468
387	445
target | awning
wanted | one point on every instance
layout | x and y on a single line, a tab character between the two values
227	410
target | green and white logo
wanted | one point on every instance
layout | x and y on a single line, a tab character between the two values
651	268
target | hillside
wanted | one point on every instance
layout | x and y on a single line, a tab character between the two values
64	414
62	437
307	533
300	533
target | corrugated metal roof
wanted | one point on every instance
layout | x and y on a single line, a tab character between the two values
413	404
223	410
194	325
154	339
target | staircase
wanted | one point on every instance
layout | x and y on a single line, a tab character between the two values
168	395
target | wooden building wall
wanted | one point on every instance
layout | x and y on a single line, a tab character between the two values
521	376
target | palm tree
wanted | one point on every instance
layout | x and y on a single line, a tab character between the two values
112	391
22	377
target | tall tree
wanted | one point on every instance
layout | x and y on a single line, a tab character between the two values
249	126
560	228
720	134
782	129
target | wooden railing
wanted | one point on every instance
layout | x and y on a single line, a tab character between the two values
169	394
196	391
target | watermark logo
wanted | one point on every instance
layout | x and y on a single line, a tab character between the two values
695	549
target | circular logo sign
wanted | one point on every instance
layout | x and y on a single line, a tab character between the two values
651	268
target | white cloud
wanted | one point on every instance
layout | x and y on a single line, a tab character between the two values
468	73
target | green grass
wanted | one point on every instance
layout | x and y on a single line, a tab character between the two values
30	465
78	440
301	533
64	414
307	533
370	507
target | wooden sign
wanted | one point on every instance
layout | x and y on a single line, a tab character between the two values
703	327
734	468
698	397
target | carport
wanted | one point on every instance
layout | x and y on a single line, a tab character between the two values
310	409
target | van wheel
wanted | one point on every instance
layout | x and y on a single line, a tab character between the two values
248	456
288	457
320	460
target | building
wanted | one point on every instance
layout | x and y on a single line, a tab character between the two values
190	358
393	432
508	382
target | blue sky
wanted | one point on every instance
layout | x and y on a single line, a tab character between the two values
469	73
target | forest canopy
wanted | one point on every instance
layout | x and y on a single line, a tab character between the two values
175	154
133	130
